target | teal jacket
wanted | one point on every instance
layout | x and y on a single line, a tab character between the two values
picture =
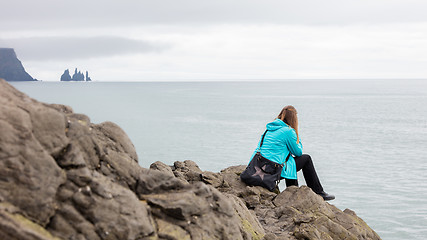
279	140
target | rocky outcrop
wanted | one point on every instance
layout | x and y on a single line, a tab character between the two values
296	213
63	177
11	68
88	79
77	76
66	76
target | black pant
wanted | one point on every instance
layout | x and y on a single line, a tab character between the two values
305	163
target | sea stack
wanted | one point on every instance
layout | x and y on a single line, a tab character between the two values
11	68
77	76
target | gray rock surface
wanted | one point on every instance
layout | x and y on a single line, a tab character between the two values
63	177
73	178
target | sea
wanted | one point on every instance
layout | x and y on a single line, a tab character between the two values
367	138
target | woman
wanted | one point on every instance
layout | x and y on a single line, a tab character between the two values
281	139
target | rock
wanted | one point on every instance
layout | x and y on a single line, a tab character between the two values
88	79
66	76
295	213
11	68
211	178
168	230
48	127
187	171
78	76
22	183
14	226
62	176
307	215
253	196
159	166
248	221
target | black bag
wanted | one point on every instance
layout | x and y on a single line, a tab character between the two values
262	172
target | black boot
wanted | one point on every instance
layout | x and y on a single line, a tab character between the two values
326	196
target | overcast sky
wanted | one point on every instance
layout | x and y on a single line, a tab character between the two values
218	39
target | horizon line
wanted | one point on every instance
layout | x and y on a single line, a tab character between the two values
238	80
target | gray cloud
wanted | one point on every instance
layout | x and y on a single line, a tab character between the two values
272	38
66	48
21	14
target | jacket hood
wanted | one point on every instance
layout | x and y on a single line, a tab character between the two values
276	124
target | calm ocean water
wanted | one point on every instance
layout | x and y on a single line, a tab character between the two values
368	139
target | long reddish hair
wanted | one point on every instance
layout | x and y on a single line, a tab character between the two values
289	116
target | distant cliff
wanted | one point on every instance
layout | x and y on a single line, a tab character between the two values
11	68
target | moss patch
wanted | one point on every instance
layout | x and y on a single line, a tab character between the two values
248	228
